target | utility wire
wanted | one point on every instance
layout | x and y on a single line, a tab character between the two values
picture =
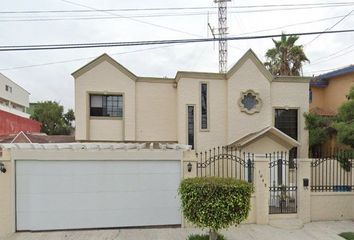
159	47
100	17
178	8
329	28
81	59
153	42
130	18
290	25
319	60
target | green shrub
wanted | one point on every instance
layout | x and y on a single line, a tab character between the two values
347	235
215	203
204	237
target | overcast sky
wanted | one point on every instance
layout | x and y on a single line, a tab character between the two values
53	81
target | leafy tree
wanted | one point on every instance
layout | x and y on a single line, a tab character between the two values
54	122
320	129
345	121
69	117
215	203
286	58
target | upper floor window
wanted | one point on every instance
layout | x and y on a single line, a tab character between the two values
286	120
310	95
106	105
250	102
8	88
204	106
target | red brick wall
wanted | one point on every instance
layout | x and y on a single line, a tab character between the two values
11	124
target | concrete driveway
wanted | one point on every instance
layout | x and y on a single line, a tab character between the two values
315	230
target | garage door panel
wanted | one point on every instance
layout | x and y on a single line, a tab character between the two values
90	201
159	181
96	197
101	219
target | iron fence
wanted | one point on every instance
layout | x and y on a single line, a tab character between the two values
282	183
332	171
226	162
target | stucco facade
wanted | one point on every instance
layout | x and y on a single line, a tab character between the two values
333	92
155	109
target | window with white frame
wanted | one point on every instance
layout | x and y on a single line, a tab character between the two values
106	105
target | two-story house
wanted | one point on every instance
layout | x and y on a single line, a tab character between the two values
201	109
329	90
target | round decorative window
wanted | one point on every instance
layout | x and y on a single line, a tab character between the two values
250	102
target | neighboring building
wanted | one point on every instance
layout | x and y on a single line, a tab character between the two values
201	109
14	102
13	98
328	91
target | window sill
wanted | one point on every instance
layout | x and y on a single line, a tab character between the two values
204	130
105	118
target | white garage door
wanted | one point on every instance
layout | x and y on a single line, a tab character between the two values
96	194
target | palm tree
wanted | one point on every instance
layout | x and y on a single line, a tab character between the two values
286	58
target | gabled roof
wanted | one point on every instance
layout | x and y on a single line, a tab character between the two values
322	80
249	138
253	57
100	59
185	74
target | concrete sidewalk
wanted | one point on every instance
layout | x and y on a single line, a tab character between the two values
315	230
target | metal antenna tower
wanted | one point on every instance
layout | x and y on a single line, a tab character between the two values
222	33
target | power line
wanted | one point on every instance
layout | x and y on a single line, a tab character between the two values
130	18
177	8
318	60
291	25
80	59
152	42
330	28
100	17
159	47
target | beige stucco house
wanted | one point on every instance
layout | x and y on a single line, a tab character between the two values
201	109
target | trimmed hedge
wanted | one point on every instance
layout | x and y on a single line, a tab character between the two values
204	237
215	203
347	235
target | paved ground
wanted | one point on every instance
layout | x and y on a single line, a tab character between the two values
316	230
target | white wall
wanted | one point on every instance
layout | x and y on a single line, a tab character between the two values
19	96
188	93
156	114
239	123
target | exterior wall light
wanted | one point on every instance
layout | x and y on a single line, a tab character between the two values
189	167
2	168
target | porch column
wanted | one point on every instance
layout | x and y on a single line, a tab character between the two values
189	164
261	184
304	193
189	170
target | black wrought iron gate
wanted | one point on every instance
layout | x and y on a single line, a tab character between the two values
283	183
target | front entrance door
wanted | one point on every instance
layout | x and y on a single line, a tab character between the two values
283	183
